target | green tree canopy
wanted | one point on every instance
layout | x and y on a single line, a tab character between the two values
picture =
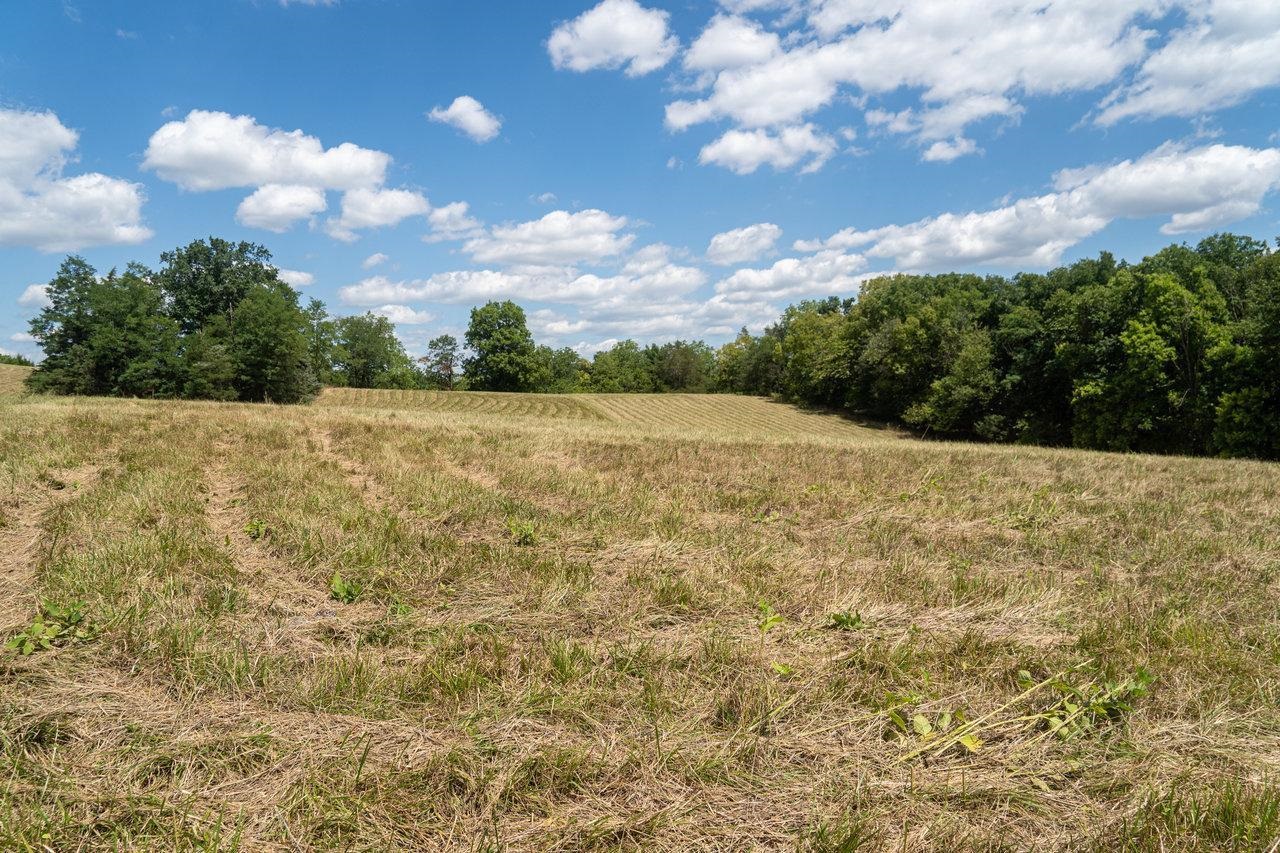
441	362
504	357
210	278
368	354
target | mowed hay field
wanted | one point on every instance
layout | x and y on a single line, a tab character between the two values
624	630
714	416
11	379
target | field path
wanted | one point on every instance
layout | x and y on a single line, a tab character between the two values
268	582
20	542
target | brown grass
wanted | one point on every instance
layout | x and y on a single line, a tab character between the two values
562	642
11	379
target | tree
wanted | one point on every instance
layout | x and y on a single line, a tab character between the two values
209	366
369	355
681	365
560	371
1247	415
106	336
441	362
322	340
15	360
207	279
269	348
622	369
504	356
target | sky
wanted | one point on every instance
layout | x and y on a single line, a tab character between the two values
646	169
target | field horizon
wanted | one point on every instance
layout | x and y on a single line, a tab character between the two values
409	620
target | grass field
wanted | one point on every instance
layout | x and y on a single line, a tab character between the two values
624	623
11	379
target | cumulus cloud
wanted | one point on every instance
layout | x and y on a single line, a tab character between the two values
469	116
276	207
558	238
374	260
944	151
35	296
828	271
403	315
292	173
730	41
745	151
367	208
1195	188
949	52
742	245
1228	50
614	34
39	207
452	222
296	278
216	150
969	62
646	275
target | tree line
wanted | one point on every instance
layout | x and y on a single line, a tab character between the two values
214	322
1179	353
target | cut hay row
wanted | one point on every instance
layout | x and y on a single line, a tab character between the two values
323	628
471	402
704	415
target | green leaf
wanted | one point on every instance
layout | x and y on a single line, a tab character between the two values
922	725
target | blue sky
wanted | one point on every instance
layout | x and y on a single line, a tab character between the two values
627	169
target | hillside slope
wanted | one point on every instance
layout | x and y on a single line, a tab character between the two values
318	627
12	377
718	415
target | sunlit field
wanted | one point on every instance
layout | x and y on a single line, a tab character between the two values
406	620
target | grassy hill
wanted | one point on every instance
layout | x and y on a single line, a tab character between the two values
11	379
414	621
713	416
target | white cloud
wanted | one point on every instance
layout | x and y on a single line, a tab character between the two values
614	34
291	171
35	296
41	208
944	151
374	260
745	151
22	338
370	208
966	62
1196	188
216	150
742	245
276	207
558	238
730	41
545	198
828	271
296	278
452	222
1228	50
468	115
646	275
403	315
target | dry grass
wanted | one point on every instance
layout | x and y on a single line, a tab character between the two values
716	417
11	379
559	640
